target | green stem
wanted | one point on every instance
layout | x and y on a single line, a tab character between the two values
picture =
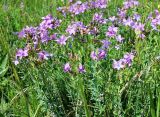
82	94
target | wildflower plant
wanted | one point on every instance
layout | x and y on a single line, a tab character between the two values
83	58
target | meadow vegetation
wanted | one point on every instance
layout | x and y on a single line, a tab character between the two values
88	58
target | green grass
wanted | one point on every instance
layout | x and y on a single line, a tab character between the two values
33	90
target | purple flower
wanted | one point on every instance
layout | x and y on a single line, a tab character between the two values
119	38
93	31
137	17
49	22
21	53
98	17
156	12
150	17
53	37
122	13
93	55
81	69
112	19
155	21
154	24
27	31
130	4
112	31
105	43
62	40
72	29
67	67
44	36
101	54
101	4
43	55
122	63
139	27
141	35
76	27
78	7
118	64
22	34
128	57
128	22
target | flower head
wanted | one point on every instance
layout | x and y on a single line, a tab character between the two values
128	22
136	17
128	57
118	64
119	38
122	63
93	55
112	19
67	67
62	40
101	4
105	43
76	27
101	54
21	53
98	17
112	31
43	55
27	32
78	7
49	22
81	69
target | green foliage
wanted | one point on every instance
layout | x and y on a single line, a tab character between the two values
4	66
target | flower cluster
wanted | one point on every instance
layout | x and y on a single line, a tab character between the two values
112	31
155	21
21	53
99	55
94	31
36	36
79	7
122	63
67	68
99	4
98	17
138	27
130	4
77	27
